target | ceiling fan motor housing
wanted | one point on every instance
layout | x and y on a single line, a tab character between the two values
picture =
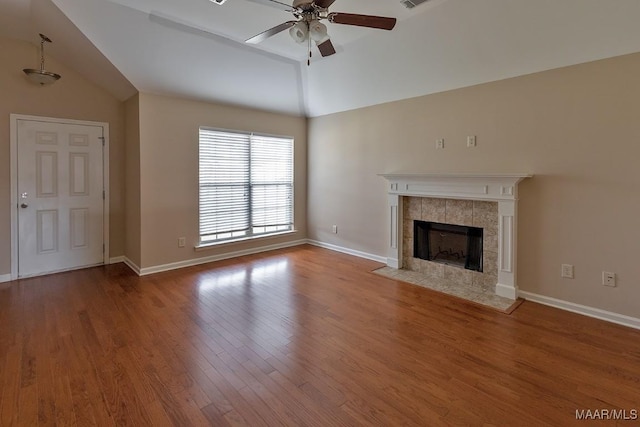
302	4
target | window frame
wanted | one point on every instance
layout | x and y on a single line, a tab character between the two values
249	233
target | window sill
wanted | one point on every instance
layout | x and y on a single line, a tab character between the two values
205	246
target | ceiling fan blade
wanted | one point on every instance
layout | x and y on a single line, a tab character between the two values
380	22
271	32
324	3
326	48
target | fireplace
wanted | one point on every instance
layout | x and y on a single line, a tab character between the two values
448	244
473	193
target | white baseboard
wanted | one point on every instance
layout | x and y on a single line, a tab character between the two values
348	251
114	260
132	265
191	262
609	316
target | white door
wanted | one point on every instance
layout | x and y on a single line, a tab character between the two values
60	196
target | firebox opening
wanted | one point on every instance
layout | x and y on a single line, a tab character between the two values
448	244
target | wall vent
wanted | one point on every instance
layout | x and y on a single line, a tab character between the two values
410	4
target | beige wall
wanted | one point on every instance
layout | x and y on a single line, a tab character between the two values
132	180
72	97
577	129
169	173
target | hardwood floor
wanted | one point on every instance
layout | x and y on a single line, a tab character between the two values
302	336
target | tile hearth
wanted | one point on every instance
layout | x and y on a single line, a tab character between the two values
483	295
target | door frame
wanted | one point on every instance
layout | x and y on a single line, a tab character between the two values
13	154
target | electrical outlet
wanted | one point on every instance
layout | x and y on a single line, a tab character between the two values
608	278
334	229
567	271
471	141
182	242
440	143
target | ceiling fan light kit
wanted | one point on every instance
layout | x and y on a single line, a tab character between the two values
318	31
41	76
299	32
307	25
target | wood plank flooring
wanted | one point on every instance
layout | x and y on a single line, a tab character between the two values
296	337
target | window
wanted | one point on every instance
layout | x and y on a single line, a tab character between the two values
246	185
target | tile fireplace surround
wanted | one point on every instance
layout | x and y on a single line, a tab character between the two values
500	188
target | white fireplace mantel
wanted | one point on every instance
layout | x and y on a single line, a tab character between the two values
501	188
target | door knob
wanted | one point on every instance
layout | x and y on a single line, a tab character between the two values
24	205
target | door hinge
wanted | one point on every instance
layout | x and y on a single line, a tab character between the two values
102	138
103	248
103	196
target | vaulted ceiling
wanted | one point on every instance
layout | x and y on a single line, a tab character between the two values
195	48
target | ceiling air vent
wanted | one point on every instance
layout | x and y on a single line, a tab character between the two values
410	4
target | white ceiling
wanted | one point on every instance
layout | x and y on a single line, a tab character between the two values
195	48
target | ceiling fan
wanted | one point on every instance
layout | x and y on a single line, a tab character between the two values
307	26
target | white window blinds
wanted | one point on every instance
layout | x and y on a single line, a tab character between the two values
246	185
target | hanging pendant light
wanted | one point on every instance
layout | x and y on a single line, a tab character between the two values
41	76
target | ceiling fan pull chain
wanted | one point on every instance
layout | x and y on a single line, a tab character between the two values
309	46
